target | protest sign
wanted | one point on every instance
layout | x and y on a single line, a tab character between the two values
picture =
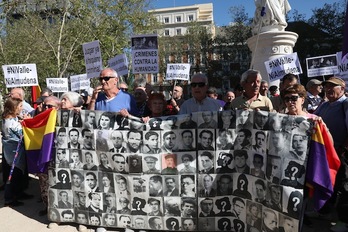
120	64
279	67
58	85
156	173
178	72
145	54
93	58
79	82
322	65
20	75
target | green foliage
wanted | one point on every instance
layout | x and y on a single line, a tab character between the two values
51	33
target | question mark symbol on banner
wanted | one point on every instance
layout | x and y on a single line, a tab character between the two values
296	201
64	176
239	227
138	203
173	223
294	172
223	204
242	183
225	224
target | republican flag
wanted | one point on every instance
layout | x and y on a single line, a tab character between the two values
345	39
322	167
39	139
35	94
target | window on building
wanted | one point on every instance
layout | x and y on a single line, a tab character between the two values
190	18
166	32
178	31
166	19
154	79
178	19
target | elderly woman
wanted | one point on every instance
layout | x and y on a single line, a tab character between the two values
73	101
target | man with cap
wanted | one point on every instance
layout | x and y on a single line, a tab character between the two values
334	113
151	164
39	106
171	169
313	100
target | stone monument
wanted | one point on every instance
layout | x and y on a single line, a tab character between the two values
270	40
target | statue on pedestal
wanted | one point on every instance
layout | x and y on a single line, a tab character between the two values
270	15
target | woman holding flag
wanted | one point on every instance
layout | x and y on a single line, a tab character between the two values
14	163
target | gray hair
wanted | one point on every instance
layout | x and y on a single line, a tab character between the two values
75	98
201	75
250	72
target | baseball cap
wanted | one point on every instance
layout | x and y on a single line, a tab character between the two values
313	82
336	81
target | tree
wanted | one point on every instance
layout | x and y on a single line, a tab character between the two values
51	33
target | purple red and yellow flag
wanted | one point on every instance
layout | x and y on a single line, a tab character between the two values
323	165
39	139
345	39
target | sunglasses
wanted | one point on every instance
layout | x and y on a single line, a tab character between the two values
199	84
48	106
124	89
291	98
105	78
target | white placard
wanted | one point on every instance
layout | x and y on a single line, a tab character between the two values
58	85
93	58
145	54
279	67
178	72
322	65
120	64
79	82
18	75
342	66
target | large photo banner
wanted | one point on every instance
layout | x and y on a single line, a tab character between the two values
209	171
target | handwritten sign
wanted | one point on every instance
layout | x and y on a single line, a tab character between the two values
120	64
93	58
58	85
279	67
19	75
178	72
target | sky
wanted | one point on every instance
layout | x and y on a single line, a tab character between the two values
221	7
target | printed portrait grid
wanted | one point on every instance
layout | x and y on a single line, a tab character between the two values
184	178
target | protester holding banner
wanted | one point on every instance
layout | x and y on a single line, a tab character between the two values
251	97
334	113
108	97
13	153
174	104
200	101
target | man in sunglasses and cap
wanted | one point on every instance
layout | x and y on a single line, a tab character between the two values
251	97
334	113
199	101
108	97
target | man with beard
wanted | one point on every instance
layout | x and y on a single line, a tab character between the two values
251	97
172	190
134	141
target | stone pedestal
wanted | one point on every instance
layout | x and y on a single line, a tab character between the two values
269	45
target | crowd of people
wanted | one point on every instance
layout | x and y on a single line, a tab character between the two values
324	101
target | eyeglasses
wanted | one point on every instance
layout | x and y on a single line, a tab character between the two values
124	89
199	84
291	98
48	106
105	78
